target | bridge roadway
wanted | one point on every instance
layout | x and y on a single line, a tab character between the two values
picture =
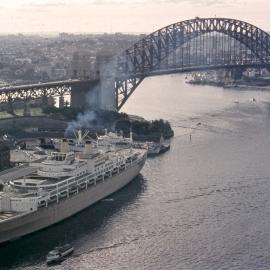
199	68
43	90
54	84
204	68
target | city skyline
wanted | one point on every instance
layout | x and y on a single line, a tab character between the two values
98	16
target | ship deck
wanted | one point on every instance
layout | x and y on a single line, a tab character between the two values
34	179
16	173
7	215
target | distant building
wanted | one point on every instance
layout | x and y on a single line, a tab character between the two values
4	156
64	35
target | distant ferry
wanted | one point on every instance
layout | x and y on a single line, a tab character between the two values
64	184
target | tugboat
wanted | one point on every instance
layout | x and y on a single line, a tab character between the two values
57	254
156	148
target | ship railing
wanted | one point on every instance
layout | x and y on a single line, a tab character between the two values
70	186
52	174
75	184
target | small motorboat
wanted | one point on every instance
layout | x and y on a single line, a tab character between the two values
57	254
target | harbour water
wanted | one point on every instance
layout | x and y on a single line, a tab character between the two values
203	205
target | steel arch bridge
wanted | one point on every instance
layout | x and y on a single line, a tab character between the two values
197	44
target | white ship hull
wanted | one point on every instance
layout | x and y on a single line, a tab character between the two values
25	224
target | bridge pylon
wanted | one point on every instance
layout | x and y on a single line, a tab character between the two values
9	106
44	102
26	109
237	73
84	94
61	102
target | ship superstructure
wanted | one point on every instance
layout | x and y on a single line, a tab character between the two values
65	183
115	140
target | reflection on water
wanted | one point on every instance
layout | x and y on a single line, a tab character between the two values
169	97
34	248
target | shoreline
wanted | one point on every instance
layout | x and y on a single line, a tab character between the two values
230	86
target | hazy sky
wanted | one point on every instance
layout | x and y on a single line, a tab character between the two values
121	15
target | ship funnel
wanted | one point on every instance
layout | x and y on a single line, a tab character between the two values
88	147
64	146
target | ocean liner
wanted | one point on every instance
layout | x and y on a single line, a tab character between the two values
64	184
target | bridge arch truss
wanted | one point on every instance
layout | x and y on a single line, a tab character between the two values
149	55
